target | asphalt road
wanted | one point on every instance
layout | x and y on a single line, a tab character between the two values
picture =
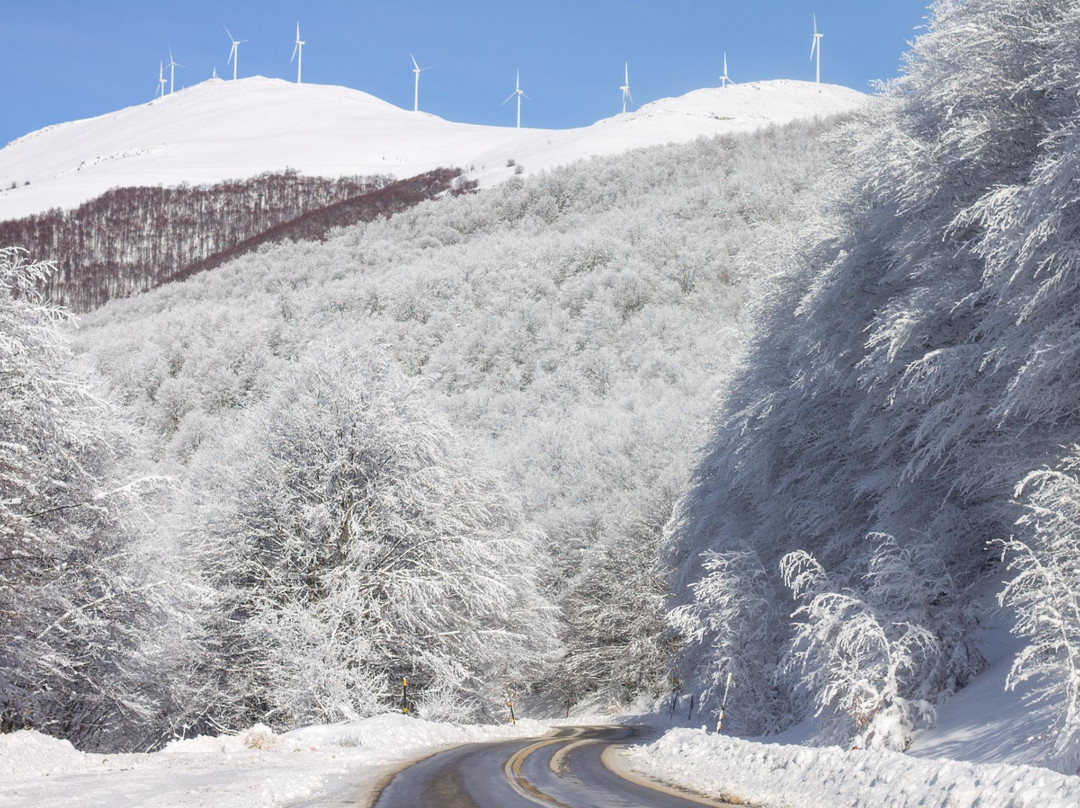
565	769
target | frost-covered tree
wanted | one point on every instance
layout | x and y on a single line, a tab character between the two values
350	542
614	610
75	591
737	591
919	359
1044	592
874	658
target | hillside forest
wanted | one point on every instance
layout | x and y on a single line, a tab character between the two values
797	406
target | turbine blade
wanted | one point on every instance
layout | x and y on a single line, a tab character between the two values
296	47
510	96
414	64
227	31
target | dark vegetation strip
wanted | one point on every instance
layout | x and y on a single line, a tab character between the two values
317	224
130	240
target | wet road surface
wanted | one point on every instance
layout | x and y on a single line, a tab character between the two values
562	770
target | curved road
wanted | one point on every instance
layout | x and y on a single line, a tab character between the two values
562	770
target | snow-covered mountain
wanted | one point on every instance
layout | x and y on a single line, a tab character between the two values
221	130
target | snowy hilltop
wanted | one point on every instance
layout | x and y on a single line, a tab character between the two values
222	130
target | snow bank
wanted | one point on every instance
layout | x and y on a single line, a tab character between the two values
251	769
29	753
806	777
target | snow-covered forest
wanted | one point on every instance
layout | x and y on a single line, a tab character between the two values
907	413
441	445
797	408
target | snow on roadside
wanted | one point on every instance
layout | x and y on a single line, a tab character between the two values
254	768
787	776
29	753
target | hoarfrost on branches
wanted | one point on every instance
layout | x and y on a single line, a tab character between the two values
1044	591
351	543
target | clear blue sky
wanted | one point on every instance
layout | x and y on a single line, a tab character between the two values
67	59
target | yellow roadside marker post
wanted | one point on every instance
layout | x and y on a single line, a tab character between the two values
723	704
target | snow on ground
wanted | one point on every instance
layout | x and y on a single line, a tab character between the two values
254	768
984	722
220	130
791	776
983	752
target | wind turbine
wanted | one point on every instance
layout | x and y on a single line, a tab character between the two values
160	80
298	52
234	51
815	48
417	70
626	86
520	94
172	65
724	80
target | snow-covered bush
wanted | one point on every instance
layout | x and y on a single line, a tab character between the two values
351	542
873	657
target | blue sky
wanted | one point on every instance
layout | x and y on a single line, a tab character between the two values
67	59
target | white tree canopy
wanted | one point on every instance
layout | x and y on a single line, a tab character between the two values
351	542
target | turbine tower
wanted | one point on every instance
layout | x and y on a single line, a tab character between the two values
626	86
172	65
234	51
724	80
298	52
160	80
815	49
520	94
417	70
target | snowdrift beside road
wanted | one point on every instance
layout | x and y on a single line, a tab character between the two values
220	130
810	777
254	768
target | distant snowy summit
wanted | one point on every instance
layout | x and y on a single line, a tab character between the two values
220	130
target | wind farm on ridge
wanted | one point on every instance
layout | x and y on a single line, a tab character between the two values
518	93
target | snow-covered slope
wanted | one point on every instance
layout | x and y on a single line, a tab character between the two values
221	130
